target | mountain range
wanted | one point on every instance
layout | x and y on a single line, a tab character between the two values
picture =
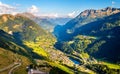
83	18
86	44
27	43
94	33
47	23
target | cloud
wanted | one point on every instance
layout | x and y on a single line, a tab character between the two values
6	9
6	6
16	4
73	14
33	9
113	3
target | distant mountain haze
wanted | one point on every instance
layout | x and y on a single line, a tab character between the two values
47	23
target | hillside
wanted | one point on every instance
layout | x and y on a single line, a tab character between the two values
20	27
28	32
26	41
85	44
104	31
105	46
11	53
66	31
94	44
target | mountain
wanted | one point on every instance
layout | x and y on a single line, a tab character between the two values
100	27
98	40
43	22
107	47
11	52
24	43
107	32
21	27
88	44
47	23
92	40
85	17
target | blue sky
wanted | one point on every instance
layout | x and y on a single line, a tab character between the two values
58	7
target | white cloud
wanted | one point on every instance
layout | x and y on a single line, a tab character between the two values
16	4
6	9
33	9
55	15
73	14
113	3
6	6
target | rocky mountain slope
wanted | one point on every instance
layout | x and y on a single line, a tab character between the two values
65	32
11	52
28	44
20	27
97	39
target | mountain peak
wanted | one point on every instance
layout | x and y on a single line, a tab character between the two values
110	9
99	13
107	8
5	17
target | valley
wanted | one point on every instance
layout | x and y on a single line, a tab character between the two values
85	44
92	41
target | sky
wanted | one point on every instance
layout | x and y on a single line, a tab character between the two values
54	8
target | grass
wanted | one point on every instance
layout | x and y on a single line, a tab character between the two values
111	65
36	48
85	55
64	68
8	57
44	47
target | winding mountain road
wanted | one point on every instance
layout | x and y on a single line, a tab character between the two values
18	64
8	67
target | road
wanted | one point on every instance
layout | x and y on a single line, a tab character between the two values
18	64
8	67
